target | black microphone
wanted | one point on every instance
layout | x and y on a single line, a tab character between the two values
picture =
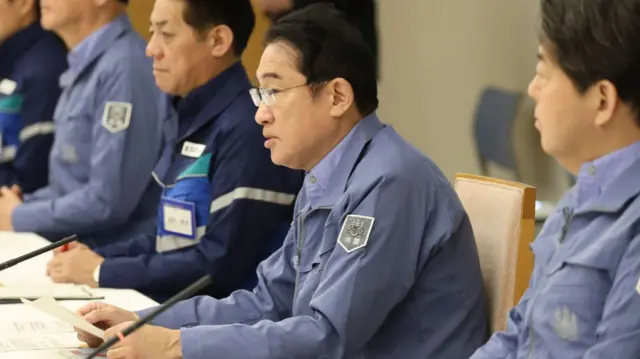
12	262
184	294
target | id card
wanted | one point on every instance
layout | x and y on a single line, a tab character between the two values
178	217
7	87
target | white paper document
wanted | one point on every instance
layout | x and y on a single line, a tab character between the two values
42	327
49	306
39	343
58	291
48	354
33	327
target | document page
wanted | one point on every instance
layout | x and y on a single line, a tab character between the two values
50	306
33	327
39	343
49	354
13	293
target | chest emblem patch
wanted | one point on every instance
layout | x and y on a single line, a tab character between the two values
565	324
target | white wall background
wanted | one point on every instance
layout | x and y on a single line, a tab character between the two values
436	55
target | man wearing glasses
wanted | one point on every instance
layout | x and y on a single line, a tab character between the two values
380	261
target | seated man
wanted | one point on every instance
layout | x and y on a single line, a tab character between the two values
235	203
380	261
31	61
584	297
108	131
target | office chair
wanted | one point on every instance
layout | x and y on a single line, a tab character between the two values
492	129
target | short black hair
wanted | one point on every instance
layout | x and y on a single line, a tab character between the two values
329	48
238	15
593	40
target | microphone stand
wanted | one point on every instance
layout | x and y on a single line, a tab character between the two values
12	262
184	294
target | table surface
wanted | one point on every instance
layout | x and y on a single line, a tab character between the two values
33	272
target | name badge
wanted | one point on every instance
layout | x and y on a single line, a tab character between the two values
178	217
7	87
193	150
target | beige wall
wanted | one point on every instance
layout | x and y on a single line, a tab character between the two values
436	57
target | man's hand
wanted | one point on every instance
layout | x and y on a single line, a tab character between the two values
103	316
148	342
69	246
9	200
275	7
75	266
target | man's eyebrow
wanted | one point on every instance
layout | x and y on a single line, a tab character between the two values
160	23
269	75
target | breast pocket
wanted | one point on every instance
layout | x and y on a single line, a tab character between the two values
571	305
73	144
314	268
309	277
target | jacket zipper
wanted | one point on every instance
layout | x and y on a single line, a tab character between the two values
567	213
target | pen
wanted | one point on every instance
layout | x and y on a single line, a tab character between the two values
65	248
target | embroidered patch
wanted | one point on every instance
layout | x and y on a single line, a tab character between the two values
355	232
565	324
116	116
7	87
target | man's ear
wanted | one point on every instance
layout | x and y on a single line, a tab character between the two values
340	95
605	98
220	38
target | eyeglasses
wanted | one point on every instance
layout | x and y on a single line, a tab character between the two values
267	95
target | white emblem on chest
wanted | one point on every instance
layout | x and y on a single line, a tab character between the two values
565	324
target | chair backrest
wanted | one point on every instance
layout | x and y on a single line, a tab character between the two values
493	123
502	214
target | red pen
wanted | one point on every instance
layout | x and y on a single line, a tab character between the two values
65	247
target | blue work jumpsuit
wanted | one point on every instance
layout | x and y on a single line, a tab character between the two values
380	262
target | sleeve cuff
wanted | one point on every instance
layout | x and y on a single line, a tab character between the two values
31	217
96	274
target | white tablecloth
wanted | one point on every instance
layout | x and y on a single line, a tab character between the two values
33	271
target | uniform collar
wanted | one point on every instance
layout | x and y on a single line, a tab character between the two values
15	46
612	180
351	153
317	179
94	45
209	100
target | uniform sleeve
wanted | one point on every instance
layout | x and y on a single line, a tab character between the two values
120	166
270	300
619	330
356	290
251	206
140	244
31	163
42	193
